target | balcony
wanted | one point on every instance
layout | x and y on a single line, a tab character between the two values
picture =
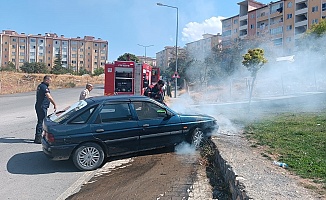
243	27
244	17
299	1
301	23
301	11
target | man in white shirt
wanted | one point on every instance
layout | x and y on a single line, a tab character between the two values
85	93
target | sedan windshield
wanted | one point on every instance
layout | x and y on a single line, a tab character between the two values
67	112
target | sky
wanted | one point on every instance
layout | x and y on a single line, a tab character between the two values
128	25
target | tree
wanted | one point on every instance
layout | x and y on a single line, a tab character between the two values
57	68
82	71
318	30
128	57
253	60
34	68
10	67
98	71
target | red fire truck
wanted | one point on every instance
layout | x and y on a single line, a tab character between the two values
129	77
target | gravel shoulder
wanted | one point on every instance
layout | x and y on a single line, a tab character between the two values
261	179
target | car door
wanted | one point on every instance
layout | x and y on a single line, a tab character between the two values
158	130
117	128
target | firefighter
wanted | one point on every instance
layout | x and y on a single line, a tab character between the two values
156	92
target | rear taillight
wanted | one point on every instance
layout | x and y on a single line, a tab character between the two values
49	137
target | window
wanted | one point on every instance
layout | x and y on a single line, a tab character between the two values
315	9
13	60
95	51
289	27
31	60
95	44
73	62
278	41
32	53
102	57
323	7
22	40
252	16
81	62
13	53
22	54
290	5
33	40
314	21
21	60
40	41
226	33
277	30
73	55
40	60
288	39
289	16
22	47
114	112
81	56
13	46
234	22
83	118
74	48
14	39
147	110
81	50
252	26
40	54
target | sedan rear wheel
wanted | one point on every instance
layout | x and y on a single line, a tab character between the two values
88	156
197	138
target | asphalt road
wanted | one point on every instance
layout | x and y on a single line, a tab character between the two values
26	173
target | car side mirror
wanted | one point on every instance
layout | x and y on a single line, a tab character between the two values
162	113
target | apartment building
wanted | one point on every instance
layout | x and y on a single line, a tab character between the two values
76	53
202	48
148	60
164	57
281	23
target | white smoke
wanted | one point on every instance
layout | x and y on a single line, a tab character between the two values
194	30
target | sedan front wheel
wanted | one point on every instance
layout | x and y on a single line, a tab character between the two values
197	138
88	156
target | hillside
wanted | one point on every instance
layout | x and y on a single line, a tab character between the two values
12	82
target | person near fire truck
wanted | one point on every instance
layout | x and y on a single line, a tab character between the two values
156	92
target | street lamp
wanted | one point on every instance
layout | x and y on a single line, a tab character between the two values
176	48
145	48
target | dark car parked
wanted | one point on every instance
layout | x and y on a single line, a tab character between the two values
91	130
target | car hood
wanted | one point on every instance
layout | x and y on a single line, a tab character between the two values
195	118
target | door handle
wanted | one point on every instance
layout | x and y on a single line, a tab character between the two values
99	130
146	125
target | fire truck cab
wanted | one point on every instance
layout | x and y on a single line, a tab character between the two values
129	77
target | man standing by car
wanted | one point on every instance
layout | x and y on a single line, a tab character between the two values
43	99
157	92
85	93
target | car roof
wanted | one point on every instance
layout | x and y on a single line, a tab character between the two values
96	99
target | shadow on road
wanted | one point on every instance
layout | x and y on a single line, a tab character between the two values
37	163
14	140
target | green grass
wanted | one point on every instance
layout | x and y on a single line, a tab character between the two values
296	139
